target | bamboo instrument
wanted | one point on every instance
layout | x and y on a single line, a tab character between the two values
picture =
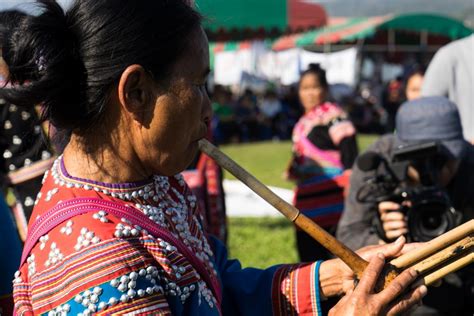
442	255
434	245
353	260
448	268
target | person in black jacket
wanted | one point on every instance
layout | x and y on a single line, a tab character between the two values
424	120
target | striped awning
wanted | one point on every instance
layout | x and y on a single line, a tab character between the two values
358	28
350	30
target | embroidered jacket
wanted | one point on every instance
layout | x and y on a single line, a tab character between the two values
321	139
96	263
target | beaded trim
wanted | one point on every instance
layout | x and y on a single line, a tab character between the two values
154	198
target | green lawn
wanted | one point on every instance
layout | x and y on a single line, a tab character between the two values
262	242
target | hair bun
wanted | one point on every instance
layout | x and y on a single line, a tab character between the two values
40	42
315	67
69	61
44	63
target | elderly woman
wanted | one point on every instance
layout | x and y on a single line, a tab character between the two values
115	229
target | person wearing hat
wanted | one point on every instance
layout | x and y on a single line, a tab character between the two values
422	121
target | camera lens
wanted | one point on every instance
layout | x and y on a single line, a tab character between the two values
430	219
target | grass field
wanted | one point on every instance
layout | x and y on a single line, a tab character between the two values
262	242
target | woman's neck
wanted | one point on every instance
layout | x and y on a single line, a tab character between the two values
103	163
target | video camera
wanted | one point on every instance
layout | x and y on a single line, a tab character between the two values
430	213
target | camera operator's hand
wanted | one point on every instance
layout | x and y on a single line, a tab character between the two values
393	221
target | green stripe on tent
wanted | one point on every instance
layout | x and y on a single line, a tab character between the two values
434	24
359	28
367	29
229	14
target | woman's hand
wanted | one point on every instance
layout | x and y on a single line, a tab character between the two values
336	278
390	301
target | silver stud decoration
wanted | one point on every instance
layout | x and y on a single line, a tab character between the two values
7	154
101	216
25	115
85	239
7	125
31	265
16	140
45	155
43	240
29	201
12	108
54	256
50	194
67	229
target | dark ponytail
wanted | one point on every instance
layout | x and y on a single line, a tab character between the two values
45	66
320	73
68	62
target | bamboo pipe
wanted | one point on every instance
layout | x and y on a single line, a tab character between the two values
349	257
434	245
444	255
447	269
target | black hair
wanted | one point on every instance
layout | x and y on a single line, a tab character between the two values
320	73
8	20
69	61
416	69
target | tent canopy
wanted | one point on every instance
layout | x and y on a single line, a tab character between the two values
358	28
229	15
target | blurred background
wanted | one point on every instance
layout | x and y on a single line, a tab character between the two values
258	50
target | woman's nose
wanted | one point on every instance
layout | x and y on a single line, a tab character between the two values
207	109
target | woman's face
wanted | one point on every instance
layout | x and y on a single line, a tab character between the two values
413	89
311	92
180	115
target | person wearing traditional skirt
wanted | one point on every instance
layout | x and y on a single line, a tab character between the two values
324	149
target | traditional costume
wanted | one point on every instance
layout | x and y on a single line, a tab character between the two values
25	157
324	146
93	261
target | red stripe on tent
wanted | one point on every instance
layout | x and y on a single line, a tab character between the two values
219	47
336	36
304	15
245	45
286	42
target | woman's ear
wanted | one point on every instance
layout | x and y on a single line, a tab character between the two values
135	89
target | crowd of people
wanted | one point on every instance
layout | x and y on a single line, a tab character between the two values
272	114
115	228
253	118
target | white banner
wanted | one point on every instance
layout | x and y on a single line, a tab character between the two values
340	66
284	67
229	66
288	65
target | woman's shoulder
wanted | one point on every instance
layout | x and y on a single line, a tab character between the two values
100	252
